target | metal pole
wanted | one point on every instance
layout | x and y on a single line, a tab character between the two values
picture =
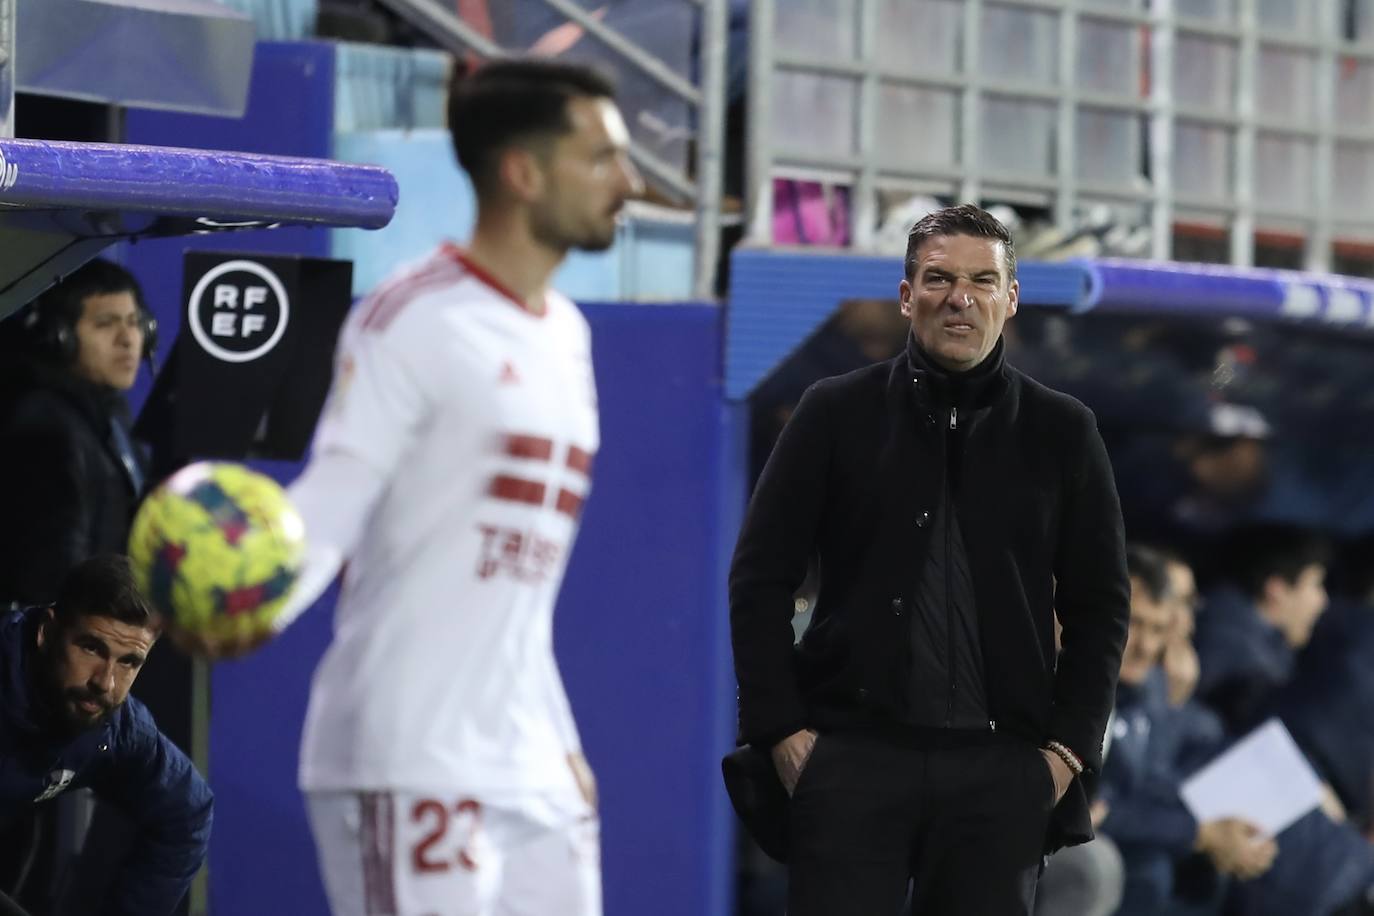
1321	236
445	26
863	212
1066	166
1162	130
1247	76
710	146
759	132
7	45
660	72
971	113
459	38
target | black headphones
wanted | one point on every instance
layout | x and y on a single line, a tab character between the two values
51	330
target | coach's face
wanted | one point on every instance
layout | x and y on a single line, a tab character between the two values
89	666
588	178
960	295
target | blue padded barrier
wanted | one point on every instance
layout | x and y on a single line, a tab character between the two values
214	189
779	297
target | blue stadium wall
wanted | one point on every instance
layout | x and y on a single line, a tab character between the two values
641	632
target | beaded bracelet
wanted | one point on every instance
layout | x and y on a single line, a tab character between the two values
1070	759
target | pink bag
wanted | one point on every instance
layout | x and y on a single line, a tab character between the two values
810	213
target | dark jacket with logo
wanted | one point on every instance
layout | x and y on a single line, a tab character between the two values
855	479
66	477
126	762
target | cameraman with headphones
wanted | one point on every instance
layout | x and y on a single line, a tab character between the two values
70	475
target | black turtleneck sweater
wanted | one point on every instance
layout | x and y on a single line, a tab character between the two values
946	688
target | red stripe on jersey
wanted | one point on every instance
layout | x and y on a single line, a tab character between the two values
516	489
580	460
392	298
529	447
398	284
460	256
375	838
569	503
386	853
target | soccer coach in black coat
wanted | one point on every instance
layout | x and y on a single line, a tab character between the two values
926	728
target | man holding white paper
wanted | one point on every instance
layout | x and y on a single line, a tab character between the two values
1263	778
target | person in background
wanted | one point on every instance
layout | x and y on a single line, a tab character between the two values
1142	777
1260	615
1257	623
69	722
74	475
71	469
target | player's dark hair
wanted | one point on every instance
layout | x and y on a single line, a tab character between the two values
965	219
517	100
102	586
1255	554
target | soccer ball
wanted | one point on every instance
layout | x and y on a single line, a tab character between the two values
217	547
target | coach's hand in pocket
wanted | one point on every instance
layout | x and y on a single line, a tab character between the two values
790	756
1059	772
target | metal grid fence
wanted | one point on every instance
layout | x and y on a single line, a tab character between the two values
1250	115
700	186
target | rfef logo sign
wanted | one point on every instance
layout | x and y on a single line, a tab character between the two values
238	311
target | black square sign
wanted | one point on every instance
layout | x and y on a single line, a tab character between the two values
253	360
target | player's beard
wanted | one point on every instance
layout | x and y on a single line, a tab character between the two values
550	227
64	714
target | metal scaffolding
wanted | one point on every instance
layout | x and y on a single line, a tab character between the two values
701	188
1248	115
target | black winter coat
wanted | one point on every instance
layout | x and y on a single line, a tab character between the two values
853	480
65	492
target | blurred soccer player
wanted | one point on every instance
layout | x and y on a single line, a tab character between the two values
440	758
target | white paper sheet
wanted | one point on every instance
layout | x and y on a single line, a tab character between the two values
1263	779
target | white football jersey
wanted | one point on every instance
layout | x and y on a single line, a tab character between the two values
480	419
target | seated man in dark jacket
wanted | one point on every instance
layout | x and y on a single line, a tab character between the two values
1248	639
68	721
1142	776
1326	705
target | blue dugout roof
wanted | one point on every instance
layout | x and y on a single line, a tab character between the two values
779	297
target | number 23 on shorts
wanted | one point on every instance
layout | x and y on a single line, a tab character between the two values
448	837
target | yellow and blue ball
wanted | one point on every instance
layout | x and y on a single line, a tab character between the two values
217	547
